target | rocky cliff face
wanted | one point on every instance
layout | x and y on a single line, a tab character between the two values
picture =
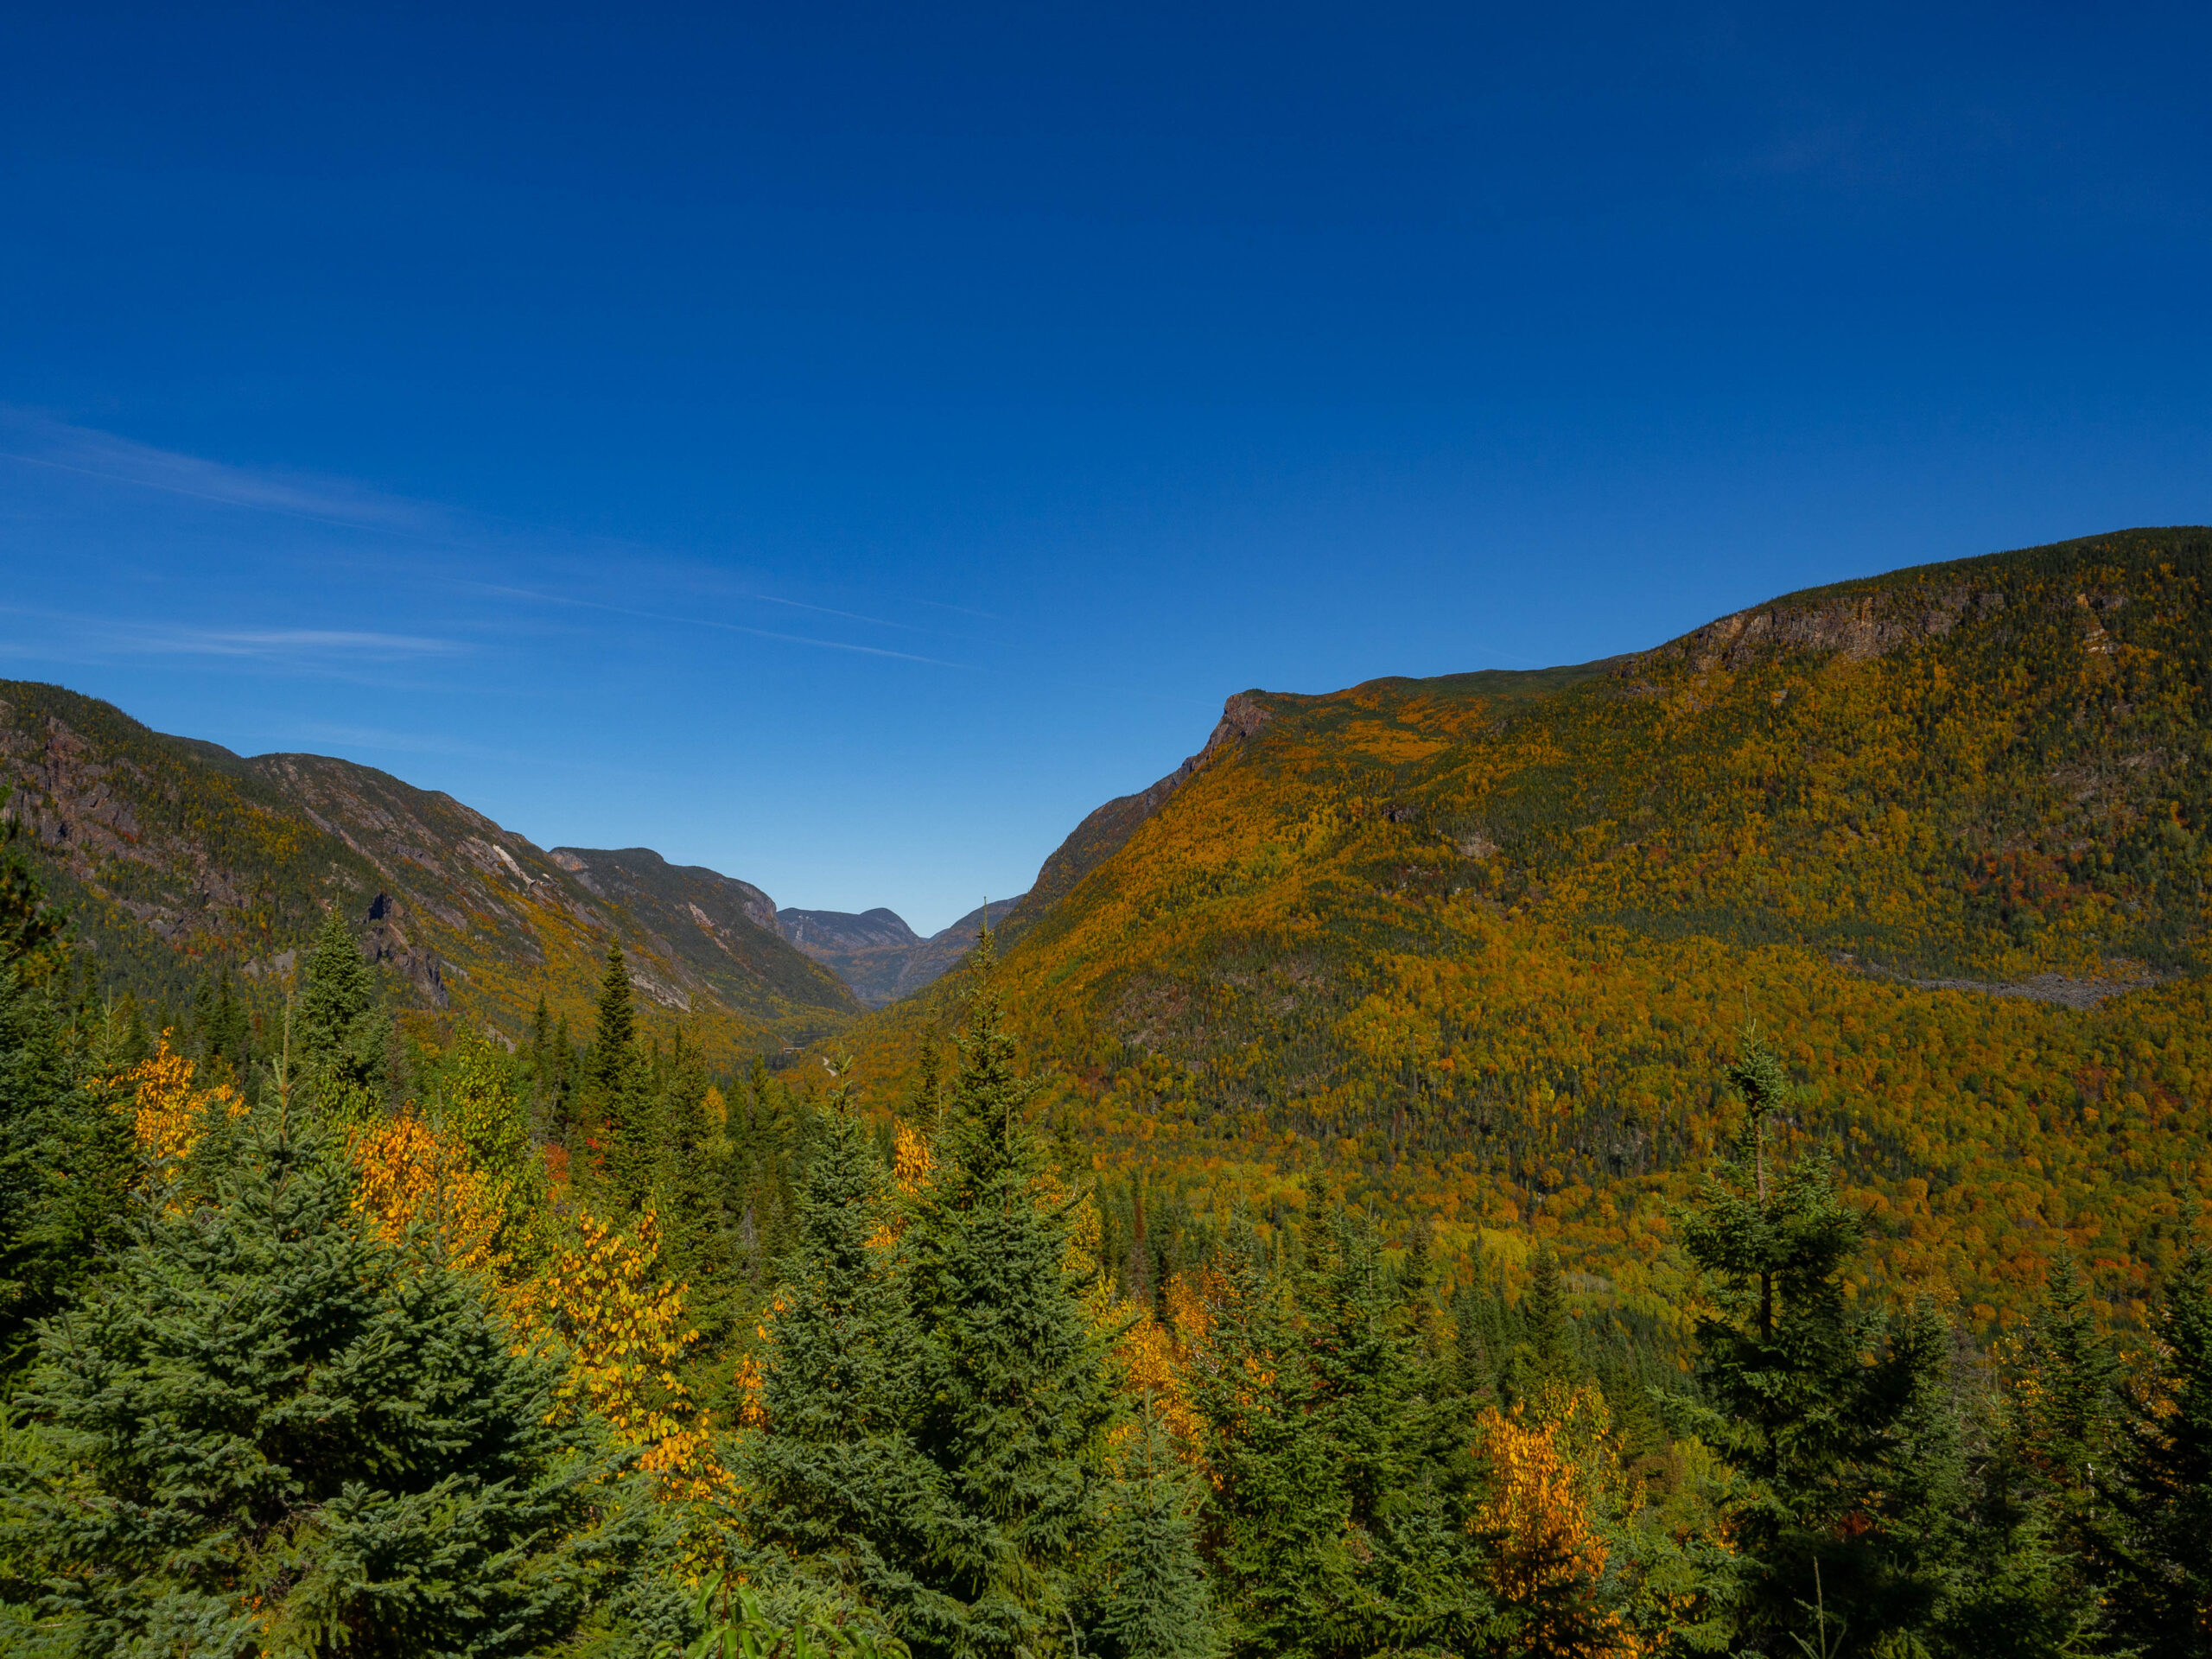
177	854
816	931
877	954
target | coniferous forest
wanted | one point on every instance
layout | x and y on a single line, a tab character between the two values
1622	1266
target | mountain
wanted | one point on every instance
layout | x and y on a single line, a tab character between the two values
1471	952
181	856
876	953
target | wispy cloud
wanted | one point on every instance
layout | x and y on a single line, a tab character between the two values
278	642
130	636
30	439
939	605
378	741
710	622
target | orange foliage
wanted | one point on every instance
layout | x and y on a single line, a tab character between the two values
1471	951
1548	1557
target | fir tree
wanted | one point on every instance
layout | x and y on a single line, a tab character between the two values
1343	1479
31	930
2064	1405
1792	1402
1543	1316
1014	1391
266	1431
1279	1521
613	1097
65	1153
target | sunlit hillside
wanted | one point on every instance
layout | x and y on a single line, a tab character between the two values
1471	951
182	860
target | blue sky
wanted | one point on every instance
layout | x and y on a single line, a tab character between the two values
842	446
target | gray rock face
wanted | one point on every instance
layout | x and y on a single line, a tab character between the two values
876	953
814	931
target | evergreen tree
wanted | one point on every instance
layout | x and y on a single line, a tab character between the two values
65	1153
1920	1503
1543	1316
1151	1599
31	930
2064	1406
613	1104
340	1030
1278	1522
845	1495
1790	1399
2157	1548
267	1431
1013	1392
1344	1482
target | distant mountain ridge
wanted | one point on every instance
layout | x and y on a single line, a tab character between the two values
180	856
876	953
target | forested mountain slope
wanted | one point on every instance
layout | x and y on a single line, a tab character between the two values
180	857
1474	950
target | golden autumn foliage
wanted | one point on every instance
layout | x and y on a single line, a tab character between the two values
625	1332
1470	952
1549	1556
407	1176
912	1159
168	1116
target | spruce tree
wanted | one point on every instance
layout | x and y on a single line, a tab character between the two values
614	1095
2065	1409
1544	1318
1789	1399
2158	1547
1280	1520
340	1030
267	1431
1150	1598
845	1495
66	1152
1343	1480
1015	1399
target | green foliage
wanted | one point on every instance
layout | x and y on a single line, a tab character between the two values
341	1029
266	1431
2158	1568
65	1154
1149	1595
749	1631
843	1490
1342	1519
1012	1388
615	1109
1853	1463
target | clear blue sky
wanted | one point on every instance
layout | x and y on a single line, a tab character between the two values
843	445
